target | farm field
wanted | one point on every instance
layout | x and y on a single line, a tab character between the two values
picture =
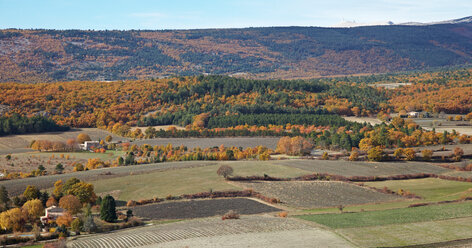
17	186
441	125
348	168
393	216
373	121
269	142
249	231
185	180
189	209
28	161
12	142
429	189
319	194
418	233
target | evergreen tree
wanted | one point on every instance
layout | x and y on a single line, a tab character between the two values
108	209
4	199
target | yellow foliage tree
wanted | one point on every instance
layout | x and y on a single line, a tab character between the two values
34	209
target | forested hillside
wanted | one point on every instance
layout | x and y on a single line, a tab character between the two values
275	52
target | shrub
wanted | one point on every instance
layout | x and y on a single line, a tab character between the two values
131	203
325	156
231	214
283	214
410	154
427	154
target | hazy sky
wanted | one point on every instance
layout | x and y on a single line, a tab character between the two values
189	14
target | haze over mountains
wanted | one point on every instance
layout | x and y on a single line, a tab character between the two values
269	52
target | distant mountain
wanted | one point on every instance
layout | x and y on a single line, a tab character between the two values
351	24
454	21
271	52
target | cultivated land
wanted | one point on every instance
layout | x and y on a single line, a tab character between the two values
319	194
190	209
28	161
22	141
348	168
269	142
399	227
370	120
249	231
429	189
187	180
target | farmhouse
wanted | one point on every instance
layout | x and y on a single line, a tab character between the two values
89	145
51	214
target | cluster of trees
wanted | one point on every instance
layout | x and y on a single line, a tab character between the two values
405	133
76	197
59	146
149	154
294	146
448	92
180	100
17	124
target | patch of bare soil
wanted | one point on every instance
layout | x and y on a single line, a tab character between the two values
318	194
201	208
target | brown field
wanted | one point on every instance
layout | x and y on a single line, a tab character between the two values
29	161
269	142
348	168
190	209
12	142
370	120
316	194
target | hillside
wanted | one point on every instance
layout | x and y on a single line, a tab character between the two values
272	52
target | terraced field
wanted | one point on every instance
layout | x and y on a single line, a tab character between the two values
201	208
249	231
316	194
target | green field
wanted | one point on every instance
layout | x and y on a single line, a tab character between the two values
184	181
410	233
393	216
430	189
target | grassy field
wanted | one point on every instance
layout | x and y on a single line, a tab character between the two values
410	233
430	189
184	181
393	216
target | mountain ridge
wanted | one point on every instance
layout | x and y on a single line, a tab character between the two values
268	52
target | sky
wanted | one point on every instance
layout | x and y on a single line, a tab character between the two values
191	14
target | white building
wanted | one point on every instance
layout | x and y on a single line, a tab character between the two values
89	145
51	214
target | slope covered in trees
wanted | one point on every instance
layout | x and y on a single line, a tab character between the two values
275	52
